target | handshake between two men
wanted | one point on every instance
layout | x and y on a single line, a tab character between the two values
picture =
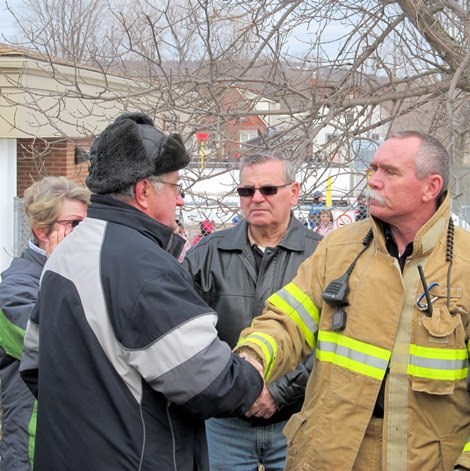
264	407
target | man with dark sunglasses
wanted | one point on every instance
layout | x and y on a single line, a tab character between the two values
235	271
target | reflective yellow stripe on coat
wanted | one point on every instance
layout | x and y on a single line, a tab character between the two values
467	446
360	357
301	309
268	346
439	364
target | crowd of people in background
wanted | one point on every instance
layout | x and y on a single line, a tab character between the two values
320	218
206	228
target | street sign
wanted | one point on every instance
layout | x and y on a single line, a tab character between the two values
342	217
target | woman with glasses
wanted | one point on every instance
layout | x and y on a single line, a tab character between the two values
54	207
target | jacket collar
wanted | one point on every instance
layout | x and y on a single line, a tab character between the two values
433	230
35	257
109	209
429	234
237	237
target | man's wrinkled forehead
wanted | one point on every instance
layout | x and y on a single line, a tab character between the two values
396	154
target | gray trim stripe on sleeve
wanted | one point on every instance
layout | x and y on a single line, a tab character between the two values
190	378
30	356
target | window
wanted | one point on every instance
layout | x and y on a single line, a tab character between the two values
248	135
349	117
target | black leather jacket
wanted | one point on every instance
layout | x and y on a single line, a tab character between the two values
224	272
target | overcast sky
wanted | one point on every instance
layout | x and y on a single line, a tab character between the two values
298	42
7	22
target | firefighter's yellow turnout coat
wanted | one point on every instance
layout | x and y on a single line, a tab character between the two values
424	358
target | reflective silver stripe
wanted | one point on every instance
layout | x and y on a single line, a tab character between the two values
306	318
268	347
300	308
438	364
360	357
354	355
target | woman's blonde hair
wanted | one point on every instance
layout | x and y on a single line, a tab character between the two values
43	200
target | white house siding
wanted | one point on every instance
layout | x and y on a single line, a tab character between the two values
7	195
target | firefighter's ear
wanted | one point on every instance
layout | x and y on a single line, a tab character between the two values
432	187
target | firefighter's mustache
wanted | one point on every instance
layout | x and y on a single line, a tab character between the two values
376	196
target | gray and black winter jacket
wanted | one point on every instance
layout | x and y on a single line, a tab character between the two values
130	364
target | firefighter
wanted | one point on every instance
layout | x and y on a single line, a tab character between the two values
385	305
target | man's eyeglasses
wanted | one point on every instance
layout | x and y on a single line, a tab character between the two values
178	188
267	190
70	224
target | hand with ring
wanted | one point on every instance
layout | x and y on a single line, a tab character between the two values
264	406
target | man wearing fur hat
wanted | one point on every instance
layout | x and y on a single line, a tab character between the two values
130	362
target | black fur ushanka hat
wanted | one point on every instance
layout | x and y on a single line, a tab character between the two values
131	149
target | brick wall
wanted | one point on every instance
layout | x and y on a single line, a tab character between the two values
234	102
38	158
